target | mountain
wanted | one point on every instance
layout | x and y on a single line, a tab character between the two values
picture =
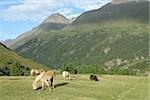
56	18
13	64
55	21
7	42
114	11
114	35
126	1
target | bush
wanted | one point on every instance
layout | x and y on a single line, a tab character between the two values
71	67
15	69
4	71
121	71
83	69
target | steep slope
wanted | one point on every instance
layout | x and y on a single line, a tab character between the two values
95	37
138	11
56	18
12	64
55	21
7	42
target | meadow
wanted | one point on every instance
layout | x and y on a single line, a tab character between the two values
109	87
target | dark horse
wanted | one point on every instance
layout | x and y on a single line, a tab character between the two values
93	77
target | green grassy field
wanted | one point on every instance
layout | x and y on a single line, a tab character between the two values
79	88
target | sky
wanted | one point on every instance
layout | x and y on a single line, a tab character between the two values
19	16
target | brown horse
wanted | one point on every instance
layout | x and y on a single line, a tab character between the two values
34	72
44	77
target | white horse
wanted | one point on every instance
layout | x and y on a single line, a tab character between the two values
66	75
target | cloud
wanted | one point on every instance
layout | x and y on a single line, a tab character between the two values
64	11
37	10
28	10
4	36
90	4
74	15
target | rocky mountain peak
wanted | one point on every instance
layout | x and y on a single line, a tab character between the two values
56	18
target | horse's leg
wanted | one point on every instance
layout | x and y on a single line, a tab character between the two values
42	85
52	82
47	84
64	78
69	77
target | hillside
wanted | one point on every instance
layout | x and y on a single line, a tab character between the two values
135	11
12	64
53	22
96	37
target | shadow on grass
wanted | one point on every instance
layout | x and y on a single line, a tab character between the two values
56	85
61	84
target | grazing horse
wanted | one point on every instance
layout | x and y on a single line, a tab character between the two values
44	77
34	72
66	75
93	77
